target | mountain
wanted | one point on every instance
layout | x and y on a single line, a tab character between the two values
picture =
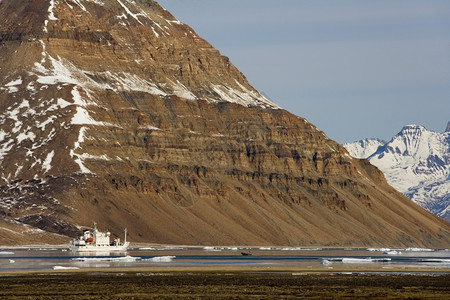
113	111
364	148
417	163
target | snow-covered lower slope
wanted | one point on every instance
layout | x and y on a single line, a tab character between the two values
416	162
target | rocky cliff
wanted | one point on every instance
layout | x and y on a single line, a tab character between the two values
114	111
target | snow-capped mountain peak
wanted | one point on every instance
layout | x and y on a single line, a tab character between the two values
364	148
416	162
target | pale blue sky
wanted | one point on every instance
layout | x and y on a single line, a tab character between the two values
354	68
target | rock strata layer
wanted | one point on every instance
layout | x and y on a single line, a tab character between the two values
115	112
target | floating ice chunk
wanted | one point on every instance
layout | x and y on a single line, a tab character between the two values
348	260
292	249
436	260
208	248
377	249
326	262
164	259
112	259
418	250
265	248
232	248
65	268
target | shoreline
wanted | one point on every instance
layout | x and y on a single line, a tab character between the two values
236	269
224	285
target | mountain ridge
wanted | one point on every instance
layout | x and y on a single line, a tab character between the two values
416	162
115	111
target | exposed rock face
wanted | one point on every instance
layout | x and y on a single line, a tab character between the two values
116	112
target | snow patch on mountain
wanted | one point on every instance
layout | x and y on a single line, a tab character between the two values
46	166
56	70
59	73
127	10
416	162
51	15
243	96
12	86
78	158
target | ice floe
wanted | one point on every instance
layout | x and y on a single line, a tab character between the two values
350	260
64	268
161	259
418	250
326	262
107	259
436	260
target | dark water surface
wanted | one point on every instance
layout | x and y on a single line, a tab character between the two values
41	259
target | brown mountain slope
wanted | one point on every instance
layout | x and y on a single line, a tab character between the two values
113	111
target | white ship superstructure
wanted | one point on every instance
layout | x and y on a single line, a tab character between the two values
97	241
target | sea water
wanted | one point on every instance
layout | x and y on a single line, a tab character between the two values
262	258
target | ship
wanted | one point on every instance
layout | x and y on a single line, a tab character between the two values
97	241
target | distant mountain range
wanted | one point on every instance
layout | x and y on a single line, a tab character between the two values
416	162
